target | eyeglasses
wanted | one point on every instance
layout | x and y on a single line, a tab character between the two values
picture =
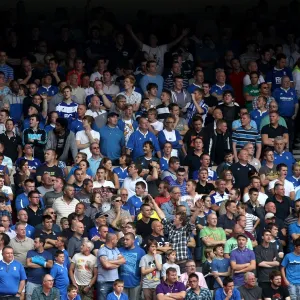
192	266
124	194
96	148
117	200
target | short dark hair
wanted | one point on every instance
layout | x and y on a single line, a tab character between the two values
171	270
273	274
58	252
194	275
227	280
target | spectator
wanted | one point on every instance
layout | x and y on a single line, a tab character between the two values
75	242
83	270
220	87
276	287
37	262
249	290
57	192
34	211
46	289
131	274
65	205
196	289
109	259
242	260
12	281
178	289
228	292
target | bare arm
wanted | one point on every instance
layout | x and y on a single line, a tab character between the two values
234	151
176	41
258	151
71	273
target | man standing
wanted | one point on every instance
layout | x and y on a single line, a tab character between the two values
195	291
6	69
34	210
139	137
83	270
112	139
62	140
37	262
242	260
96	157
50	197
133	177
75	242
241	169
290	271
287	100
12	280
267	259
109	259
35	137
131	272
66	204
67	108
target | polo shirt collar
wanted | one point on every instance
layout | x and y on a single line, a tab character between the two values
221	86
143	133
8	263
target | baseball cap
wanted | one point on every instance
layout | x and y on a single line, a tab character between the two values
100	214
269	216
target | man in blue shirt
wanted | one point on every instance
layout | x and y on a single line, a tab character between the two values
287	100
38	261
112	139
220	87
23	218
228	291
12	274
274	77
136	201
152	77
76	124
291	270
137	139
131	272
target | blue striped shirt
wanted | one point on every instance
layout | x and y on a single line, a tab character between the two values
67	111
244	136
8	72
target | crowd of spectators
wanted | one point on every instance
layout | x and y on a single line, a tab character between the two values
127	165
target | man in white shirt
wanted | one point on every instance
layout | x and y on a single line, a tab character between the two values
101	182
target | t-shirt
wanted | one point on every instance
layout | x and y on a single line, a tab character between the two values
151	280
291	262
84	268
83	138
130	272
156	54
166	266
110	254
220	266
276	294
52	171
35	274
250	294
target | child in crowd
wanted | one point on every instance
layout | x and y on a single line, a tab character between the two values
220	266
3	208
251	221
151	265
206	268
117	294
64	223
207	205
60	273
171	258
71	293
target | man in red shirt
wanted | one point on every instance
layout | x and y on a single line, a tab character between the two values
236	80
164	195
79	69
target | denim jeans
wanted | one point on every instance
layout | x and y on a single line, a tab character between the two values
29	289
103	289
294	290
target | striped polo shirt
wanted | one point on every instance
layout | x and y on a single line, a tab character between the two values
243	136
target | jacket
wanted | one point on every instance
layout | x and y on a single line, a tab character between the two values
70	144
227	145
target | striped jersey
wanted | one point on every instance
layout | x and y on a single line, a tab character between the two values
67	110
244	136
8	72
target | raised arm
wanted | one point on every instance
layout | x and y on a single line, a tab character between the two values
156	208
134	37
176	41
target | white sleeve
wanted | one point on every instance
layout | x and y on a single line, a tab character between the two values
261	79
146	48
246	80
